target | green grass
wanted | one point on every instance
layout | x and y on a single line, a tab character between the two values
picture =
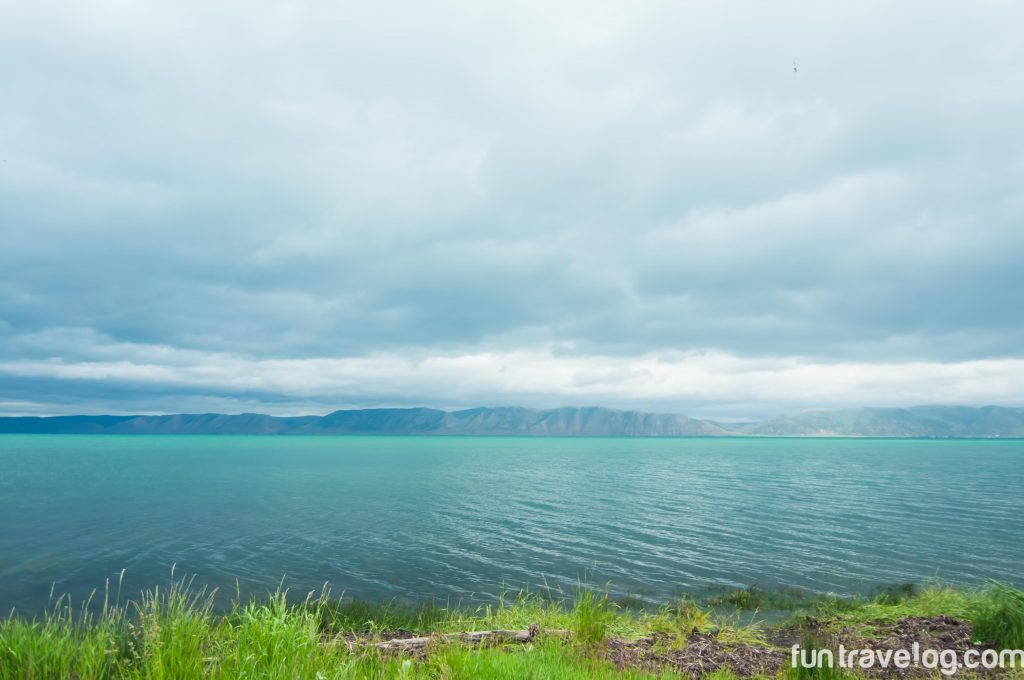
176	633
783	599
811	641
998	615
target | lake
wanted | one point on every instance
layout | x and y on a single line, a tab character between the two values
450	517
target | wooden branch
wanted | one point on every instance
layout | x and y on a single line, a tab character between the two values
474	637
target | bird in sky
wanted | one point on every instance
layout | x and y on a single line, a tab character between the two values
794	67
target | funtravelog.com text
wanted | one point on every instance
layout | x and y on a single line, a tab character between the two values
946	661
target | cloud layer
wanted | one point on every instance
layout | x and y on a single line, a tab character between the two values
320	204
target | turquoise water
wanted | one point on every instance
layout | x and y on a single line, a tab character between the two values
413	518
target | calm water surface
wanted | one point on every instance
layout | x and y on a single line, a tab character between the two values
405	517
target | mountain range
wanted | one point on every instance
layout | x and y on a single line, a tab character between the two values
918	421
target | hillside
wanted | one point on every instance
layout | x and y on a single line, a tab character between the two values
916	421
567	421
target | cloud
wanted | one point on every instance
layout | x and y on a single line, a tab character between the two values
708	383
594	183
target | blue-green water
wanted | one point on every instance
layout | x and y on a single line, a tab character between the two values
414	518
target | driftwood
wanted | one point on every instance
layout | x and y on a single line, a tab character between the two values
474	637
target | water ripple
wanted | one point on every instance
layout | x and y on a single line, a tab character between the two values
464	517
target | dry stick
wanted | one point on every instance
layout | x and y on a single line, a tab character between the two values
475	637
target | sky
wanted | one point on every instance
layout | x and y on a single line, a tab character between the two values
294	207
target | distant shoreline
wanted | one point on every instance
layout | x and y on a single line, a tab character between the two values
755	437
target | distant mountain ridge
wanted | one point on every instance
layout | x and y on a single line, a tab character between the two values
507	420
917	421
914	421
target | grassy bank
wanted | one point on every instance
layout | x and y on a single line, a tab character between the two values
172	633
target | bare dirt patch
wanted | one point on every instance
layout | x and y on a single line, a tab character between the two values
703	653
928	632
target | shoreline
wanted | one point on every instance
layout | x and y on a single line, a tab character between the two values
174	632
638	437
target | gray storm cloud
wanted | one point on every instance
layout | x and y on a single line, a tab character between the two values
308	205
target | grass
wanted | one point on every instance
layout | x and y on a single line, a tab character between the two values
175	632
998	615
995	612
813	642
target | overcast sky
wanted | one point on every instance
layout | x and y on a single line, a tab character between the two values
292	207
